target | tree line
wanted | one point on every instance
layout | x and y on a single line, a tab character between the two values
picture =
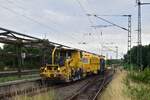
33	57
145	56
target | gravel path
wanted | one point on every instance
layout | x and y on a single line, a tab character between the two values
115	89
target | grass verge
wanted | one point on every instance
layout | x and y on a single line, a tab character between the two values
49	95
138	84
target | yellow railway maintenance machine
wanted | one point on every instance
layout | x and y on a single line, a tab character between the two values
71	64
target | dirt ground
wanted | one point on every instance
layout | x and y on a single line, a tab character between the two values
115	89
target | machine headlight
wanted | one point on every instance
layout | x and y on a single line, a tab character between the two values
45	68
58	69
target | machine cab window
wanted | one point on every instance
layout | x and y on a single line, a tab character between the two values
63	56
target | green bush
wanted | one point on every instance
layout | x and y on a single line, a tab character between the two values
130	67
143	76
140	93
138	84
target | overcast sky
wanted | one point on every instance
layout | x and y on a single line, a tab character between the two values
65	22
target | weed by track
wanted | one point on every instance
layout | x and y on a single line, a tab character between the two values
138	84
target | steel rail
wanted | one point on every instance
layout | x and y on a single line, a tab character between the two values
91	90
74	96
102	87
32	91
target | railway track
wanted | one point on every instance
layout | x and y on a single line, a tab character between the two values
87	89
91	90
32	87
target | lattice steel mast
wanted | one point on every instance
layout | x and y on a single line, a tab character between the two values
139	41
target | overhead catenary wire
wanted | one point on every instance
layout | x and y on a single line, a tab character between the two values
12	2
115	51
18	5
129	29
85	12
49	26
99	36
111	23
31	19
82	10
27	17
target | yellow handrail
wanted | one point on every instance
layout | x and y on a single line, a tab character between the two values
53	57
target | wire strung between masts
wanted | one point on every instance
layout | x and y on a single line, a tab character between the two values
31	19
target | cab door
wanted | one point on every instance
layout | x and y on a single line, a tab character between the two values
102	65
